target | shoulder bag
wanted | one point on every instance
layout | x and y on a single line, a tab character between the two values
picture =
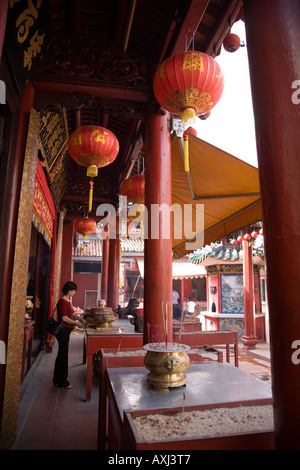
53	327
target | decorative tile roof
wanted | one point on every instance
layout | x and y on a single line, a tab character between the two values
93	248
224	253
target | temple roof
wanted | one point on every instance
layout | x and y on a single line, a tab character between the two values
93	248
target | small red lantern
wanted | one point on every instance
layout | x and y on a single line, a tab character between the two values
93	147
234	242
254	234
188	84
240	239
85	226
187	132
247	236
231	42
204	116
134	189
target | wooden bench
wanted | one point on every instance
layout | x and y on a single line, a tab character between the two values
200	339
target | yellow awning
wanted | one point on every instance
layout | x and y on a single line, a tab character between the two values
226	186
180	269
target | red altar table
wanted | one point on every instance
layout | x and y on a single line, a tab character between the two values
121	334
108	361
208	385
111	358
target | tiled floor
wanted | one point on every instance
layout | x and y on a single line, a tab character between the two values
53	418
59	419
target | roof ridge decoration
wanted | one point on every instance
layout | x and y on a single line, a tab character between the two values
224	253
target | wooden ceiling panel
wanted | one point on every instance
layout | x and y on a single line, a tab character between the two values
100	65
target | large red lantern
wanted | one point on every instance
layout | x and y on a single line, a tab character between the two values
85	226
188	84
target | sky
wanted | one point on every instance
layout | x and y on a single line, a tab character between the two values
230	125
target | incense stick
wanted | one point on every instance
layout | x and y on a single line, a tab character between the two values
162	314
120	341
166	320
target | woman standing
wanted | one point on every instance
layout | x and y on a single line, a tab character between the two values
65	314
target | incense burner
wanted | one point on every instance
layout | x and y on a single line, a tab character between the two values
100	317
166	364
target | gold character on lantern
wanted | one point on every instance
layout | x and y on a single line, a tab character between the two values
75	138
193	62
100	137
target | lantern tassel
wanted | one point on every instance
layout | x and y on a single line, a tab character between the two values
91	196
186	153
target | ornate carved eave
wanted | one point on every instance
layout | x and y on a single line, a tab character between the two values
70	56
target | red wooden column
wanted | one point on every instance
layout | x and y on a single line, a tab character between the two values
104	268
3	16
113	273
66	256
249	339
273	39
158	251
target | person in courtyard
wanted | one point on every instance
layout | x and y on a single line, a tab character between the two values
69	319
191	307
176	307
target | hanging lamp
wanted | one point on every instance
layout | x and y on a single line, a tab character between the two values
93	147
188	84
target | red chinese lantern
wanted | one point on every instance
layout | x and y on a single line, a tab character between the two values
85	226
204	116
93	147
134	189
231	42
188	84
187	132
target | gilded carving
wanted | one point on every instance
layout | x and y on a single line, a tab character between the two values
19	288
74	57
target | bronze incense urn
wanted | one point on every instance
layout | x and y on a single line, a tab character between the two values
99	317
166	363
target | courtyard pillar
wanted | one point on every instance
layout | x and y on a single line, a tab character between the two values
158	244
273	41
